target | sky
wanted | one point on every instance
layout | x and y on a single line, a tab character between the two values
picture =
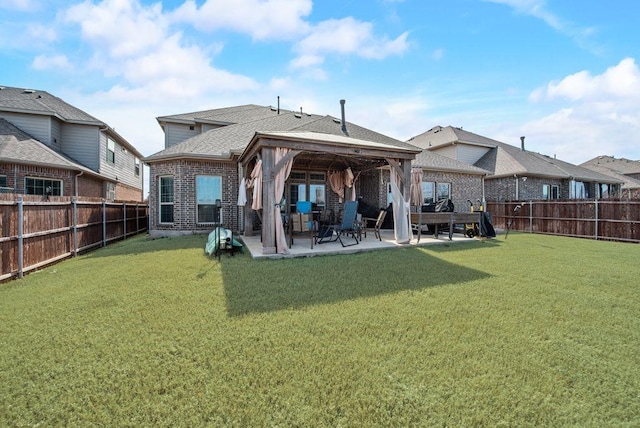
562	73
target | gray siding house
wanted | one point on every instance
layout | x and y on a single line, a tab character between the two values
515	173
70	153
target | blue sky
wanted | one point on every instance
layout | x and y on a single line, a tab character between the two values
563	73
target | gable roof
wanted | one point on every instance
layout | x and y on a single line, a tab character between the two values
41	102
503	160
19	147
432	161
618	165
224	142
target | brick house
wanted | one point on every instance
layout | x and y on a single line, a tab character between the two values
208	153
516	173
625	170
49	147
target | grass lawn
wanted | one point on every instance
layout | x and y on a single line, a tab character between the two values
533	330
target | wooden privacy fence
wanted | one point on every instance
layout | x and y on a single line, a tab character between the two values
610	219
36	232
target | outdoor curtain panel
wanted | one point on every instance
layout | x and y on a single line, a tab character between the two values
400	211
256	181
336	180
416	187
280	178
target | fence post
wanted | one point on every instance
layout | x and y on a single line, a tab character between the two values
75	226
104	223
596	215
530	216
124	221
137	218
20	237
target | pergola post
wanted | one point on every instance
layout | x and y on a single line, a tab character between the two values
268	201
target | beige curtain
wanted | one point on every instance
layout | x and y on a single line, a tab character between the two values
256	183
349	181
280	179
401	215
336	181
416	187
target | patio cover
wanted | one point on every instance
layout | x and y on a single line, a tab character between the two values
324	148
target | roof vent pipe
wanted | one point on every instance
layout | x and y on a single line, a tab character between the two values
522	143
344	123
278	104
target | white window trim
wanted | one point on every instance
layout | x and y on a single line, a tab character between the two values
198	222
160	203
43	179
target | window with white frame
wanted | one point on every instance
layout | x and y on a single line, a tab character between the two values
444	191
136	166
165	190
307	187
208	191
111	150
428	192
110	191
42	186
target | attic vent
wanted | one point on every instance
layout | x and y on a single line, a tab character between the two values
298	115
336	120
28	91
273	109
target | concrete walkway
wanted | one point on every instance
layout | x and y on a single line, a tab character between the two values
302	245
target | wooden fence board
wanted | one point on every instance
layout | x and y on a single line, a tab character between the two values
59	228
610	219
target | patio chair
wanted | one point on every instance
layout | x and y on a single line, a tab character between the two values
377	224
348	227
302	222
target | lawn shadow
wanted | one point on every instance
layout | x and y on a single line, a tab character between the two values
275	285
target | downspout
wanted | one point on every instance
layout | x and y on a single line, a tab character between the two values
76	182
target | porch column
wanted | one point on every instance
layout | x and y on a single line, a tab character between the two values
268	201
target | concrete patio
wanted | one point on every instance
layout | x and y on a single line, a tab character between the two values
302	247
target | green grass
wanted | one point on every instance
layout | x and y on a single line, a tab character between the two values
531	331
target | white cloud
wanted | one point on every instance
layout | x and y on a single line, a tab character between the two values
53	62
348	36
538	9
437	54
21	5
594	114
261	19
119	28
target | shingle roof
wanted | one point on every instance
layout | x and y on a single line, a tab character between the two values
226	115
504	159
618	165
232	139
628	182
42	102
433	161
17	146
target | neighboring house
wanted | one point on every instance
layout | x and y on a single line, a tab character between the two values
622	169
207	154
446	178
49	147
516	173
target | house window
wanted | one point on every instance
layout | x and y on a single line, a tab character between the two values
550	192
428	192
111	150
136	166
444	191
110	191
42	186
307	187
166	199
208	190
